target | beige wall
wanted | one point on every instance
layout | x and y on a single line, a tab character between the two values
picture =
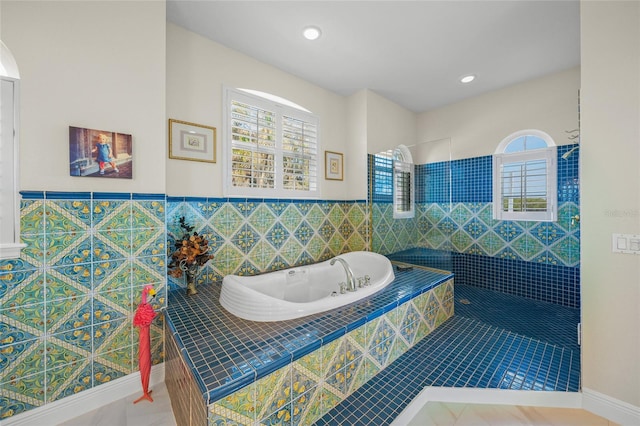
388	124
99	65
197	70
375	124
356	164
477	125
610	197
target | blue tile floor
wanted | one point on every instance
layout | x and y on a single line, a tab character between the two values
494	341
544	321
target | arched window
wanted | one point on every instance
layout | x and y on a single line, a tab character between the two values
524	177
403	183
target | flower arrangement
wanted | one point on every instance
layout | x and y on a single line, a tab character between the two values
190	253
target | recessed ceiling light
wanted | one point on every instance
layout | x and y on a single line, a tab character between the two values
311	33
468	78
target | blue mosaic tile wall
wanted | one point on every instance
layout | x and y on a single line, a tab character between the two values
67	304
548	283
454	214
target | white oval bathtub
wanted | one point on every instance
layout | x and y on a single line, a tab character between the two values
297	292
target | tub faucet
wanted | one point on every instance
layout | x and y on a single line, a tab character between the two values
351	285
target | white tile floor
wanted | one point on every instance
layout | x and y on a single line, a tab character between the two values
445	413
125	413
159	413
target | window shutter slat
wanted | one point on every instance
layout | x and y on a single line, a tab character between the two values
300	146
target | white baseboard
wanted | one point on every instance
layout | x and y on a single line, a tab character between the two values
488	396
610	408
76	405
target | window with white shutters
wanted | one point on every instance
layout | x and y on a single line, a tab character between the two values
402	198
253	135
403	183
272	149
524	177
383	175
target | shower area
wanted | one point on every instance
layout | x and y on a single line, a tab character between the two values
517	283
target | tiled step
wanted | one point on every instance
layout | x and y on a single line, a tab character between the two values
463	352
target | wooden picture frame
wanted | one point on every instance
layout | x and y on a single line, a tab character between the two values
333	165
191	141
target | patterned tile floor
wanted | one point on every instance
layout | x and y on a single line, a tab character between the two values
478	347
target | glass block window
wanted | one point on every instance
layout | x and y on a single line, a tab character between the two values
524	177
271	148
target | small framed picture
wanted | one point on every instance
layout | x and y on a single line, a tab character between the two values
190	141
333	167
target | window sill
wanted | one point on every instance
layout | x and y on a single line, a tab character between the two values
11	251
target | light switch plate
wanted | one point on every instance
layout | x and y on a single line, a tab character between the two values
625	243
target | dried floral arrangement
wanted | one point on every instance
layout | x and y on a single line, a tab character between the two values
189	251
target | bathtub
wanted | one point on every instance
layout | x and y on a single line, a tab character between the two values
298	292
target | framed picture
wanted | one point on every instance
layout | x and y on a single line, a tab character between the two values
333	167
190	141
100	153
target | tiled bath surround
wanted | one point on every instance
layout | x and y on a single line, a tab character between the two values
454	214
292	372
66	305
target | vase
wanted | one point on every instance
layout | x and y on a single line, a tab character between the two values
191	273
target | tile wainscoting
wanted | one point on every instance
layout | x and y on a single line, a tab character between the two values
251	236
66	305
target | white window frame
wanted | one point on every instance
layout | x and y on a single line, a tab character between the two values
288	109
548	155
10	245
403	163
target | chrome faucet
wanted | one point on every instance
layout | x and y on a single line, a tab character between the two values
351	285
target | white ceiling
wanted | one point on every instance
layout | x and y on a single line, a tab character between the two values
411	52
